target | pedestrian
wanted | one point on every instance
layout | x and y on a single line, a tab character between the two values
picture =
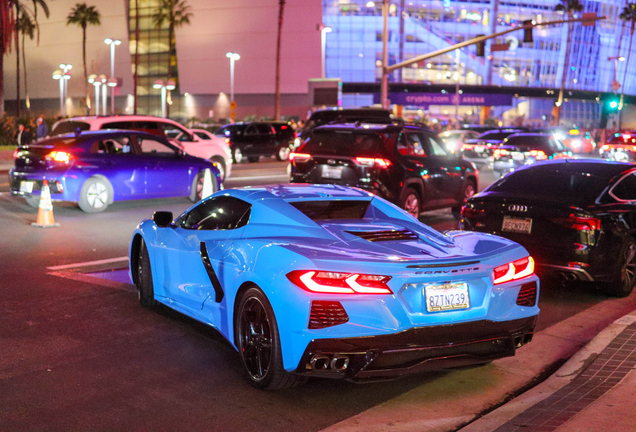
24	136
42	130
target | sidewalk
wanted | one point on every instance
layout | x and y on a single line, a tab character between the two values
594	391
457	399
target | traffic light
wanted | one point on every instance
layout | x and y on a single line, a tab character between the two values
481	47
612	105
527	31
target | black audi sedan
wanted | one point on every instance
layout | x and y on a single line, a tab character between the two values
576	218
405	164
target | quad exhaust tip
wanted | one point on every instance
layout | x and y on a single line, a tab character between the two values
322	362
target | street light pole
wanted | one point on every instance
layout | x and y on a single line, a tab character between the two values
233	57
170	85
112	43
323	48
59	75
384	94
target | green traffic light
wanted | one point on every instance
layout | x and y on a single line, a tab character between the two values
613	104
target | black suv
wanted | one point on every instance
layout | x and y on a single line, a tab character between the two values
404	164
344	115
255	139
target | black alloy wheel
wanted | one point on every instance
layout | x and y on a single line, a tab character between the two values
410	202
627	276
145	289
258	343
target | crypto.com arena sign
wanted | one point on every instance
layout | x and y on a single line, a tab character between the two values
426	99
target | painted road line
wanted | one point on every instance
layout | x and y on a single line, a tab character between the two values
256	178
88	263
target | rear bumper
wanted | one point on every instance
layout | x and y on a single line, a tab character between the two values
416	350
57	185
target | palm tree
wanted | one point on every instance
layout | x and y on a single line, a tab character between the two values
569	7
281	10
629	15
8	20
84	15
176	13
26	27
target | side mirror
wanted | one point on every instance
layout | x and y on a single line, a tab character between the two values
162	219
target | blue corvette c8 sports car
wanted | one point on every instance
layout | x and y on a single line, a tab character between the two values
96	168
331	281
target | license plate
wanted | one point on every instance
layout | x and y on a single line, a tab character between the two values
26	186
479	149
517	225
518	156
331	172
448	296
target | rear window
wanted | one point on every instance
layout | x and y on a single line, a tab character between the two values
577	188
495	135
230	130
326	210
69	127
344	143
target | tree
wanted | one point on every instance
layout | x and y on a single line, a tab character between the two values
8	21
84	15
175	13
281	10
628	15
136	76
26	27
569	7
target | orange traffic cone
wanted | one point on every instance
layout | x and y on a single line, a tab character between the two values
45	211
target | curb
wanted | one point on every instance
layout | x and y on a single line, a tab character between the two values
458	398
566	374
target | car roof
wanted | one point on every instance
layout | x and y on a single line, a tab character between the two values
593	166
368	127
105	133
297	192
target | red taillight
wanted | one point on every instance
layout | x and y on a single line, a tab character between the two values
519	269
377	162
59	156
579	223
471	212
299	157
15	154
340	283
539	154
500	152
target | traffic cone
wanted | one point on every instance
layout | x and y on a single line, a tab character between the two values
45	210
207	189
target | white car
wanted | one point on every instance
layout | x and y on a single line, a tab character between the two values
191	142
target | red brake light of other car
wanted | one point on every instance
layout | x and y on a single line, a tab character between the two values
299	157
471	212
518	269
579	223
500	152
377	162
339	283
15	154
539	154
59	156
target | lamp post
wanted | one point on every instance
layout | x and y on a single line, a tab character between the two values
103	79
113	43
233	57
615	84
323	48
62	76
170	85
65	68
92	79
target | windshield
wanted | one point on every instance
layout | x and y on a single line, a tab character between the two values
325	210
578	188
344	143
70	126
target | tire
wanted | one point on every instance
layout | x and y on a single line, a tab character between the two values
468	191
95	195
237	155
33	201
626	277
411	203
220	164
283	153
145	288
197	187
258	343
253	158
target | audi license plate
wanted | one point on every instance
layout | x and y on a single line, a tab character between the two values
449	296
331	172
26	186
517	225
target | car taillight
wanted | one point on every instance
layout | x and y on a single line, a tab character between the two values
471	212
539	154
59	156
299	157
579	223
15	154
227	141
340	283
500	152
377	162
518	269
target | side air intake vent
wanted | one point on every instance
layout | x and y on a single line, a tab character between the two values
527	294
390	235
326	314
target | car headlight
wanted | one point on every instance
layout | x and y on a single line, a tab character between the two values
576	143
